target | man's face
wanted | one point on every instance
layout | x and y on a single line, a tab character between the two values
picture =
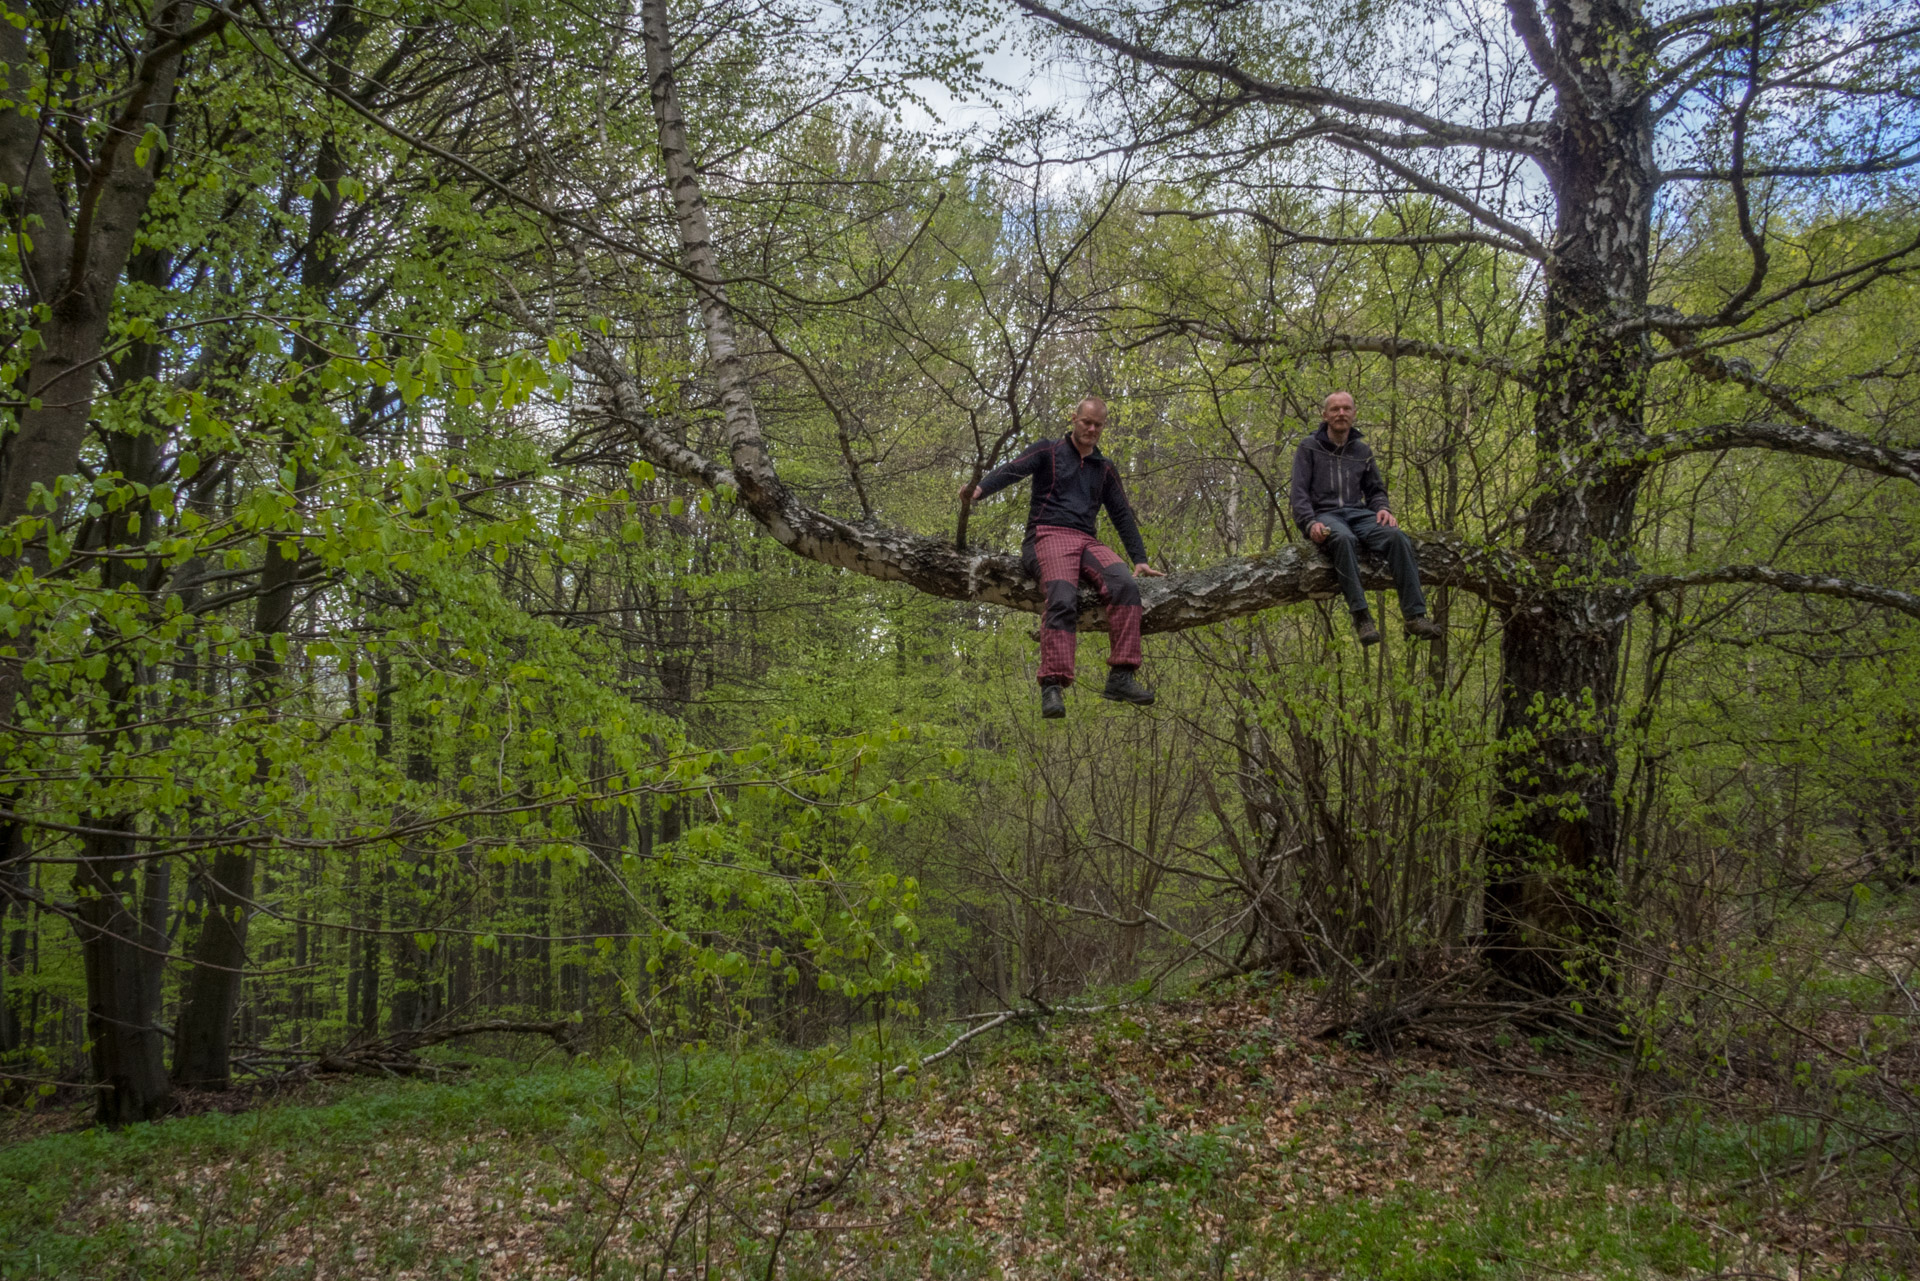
1338	413
1089	420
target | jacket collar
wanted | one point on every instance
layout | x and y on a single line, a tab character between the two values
1326	441
1095	456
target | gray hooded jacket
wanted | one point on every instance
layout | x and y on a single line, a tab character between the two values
1326	478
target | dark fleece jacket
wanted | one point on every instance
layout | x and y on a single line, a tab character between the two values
1326	479
1069	491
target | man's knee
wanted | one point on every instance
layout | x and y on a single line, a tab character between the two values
1340	540
1063	606
1119	585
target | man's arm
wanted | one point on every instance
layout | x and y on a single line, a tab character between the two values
1372	488
1007	473
1298	500
1120	512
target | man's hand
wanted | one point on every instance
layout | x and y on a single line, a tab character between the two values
1318	532
1144	570
969	492
1386	518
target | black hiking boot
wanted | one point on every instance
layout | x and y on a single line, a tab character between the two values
1053	702
1124	687
1366	631
1424	628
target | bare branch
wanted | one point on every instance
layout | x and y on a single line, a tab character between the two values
1714	369
1780	580
1294	237
1452	195
1866	168
1527	138
1855	276
1813	442
1391	346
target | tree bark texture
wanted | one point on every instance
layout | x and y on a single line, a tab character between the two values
1554	842
120	954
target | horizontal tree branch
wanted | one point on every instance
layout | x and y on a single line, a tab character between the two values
1813	442
1196	598
1392	346
1780	580
1858	169
1292	236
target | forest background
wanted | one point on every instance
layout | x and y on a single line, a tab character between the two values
482	553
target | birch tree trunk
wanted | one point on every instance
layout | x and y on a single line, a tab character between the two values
1553	847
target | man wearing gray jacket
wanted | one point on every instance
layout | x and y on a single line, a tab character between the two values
1340	502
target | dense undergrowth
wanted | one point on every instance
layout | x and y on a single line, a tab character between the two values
1216	1137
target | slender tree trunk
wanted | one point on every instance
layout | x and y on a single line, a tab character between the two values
414	1005
13	885
218	960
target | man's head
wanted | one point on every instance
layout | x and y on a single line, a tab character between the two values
1089	420
1337	413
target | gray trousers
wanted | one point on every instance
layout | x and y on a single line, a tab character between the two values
1351	528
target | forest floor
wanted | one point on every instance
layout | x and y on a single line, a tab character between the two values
1214	1138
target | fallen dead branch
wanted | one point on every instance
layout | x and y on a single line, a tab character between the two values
398	1055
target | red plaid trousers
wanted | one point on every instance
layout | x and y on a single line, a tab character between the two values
1060	559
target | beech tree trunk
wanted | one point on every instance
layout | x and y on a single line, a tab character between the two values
129	1060
122	914
74	263
220	952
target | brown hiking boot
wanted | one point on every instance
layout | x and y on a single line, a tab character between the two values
1425	628
1366	631
1124	687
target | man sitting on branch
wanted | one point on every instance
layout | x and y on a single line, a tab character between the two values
1340	502
1072	481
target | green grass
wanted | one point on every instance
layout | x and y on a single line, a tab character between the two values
74	1204
1118	1150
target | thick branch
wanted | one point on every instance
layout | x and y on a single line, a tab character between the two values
1813	442
25	170
152	81
1780	580
1532	30
934	566
1396	348
629	405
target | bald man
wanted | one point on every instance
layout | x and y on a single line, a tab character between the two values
1340	502
1072	482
